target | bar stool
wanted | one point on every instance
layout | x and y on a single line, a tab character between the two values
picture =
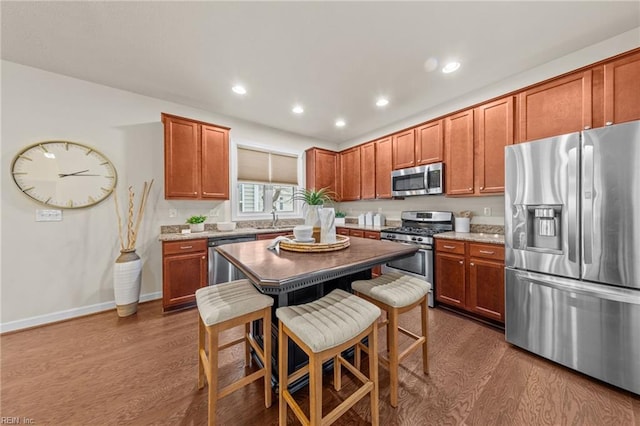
396	293
323	329
221	307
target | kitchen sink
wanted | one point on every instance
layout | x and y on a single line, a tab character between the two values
275	228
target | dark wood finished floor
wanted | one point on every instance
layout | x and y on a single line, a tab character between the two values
142	370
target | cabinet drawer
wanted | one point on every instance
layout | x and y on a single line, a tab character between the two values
356	233
488	251
450	246
187	246
342	231
372	235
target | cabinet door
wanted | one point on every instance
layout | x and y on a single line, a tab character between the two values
450	279
429	140
458	139
555	108
182	276
494	124
350	174
181	158
384	166
368	171
404	149
486	288
215	163
272	235
622	89
321	169
342	231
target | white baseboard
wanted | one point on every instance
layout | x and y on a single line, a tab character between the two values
68	314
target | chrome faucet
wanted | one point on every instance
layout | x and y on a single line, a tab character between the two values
274	200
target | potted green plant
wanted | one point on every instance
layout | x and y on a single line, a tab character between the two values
313	201
196	223
340	217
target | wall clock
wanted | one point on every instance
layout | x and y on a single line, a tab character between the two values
64	174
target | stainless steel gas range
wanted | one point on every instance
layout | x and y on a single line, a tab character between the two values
418	227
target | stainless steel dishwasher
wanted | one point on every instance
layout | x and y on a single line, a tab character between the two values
220	270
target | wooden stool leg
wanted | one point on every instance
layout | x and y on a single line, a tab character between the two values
388	330
247	346
201	339
337	373
373	374
392	331
283	361
315	390
266	338
425	332
212	378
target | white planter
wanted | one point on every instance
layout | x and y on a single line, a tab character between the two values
127	278
197	227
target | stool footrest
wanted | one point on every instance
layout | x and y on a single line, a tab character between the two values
347	403
229	344
240	383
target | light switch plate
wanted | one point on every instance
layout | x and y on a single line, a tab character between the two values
487	211
173	212
48	215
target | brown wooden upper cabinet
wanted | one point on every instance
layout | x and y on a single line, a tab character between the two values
560	106
321	169
622	89
403	149
458	138
368	171
429	141
196	159
350	174
494	130
384	166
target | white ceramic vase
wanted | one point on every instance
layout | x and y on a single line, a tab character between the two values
312	217
127	278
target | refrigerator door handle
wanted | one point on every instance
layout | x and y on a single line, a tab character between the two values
600	291
573	195
587	204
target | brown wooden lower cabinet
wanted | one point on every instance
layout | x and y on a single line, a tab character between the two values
184	270
470	276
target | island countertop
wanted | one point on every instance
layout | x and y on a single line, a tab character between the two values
285	271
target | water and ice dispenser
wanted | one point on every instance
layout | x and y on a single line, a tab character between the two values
544	227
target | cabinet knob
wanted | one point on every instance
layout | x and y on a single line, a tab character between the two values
482	187
195	193
470	189
461	262
587	127
472	264
608	123
202	257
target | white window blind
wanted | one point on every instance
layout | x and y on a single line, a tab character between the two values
267	167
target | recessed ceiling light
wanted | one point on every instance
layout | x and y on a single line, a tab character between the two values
451	67
340	123
240	90
382	102
297	109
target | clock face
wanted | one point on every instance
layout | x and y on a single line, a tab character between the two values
64	174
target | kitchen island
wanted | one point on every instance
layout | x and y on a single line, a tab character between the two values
292	278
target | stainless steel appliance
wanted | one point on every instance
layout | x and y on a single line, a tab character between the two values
220	270
418	227
572	240
421	180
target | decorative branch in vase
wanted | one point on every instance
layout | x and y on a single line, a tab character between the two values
127	271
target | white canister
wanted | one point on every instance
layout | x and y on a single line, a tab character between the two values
462	224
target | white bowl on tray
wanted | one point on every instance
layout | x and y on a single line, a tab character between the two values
303	233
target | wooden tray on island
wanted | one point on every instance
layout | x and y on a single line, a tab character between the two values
342	242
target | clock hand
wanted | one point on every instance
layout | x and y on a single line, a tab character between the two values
71	174
74	175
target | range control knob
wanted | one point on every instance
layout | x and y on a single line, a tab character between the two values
419	238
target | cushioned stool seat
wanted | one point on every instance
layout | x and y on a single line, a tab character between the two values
323	329
396	293
221	307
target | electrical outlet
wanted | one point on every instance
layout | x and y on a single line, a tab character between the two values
487	211
213	213
173	212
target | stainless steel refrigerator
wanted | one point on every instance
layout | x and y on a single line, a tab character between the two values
572	251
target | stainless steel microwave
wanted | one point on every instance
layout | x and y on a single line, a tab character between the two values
421	180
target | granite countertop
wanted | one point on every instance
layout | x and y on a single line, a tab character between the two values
175	235
479	237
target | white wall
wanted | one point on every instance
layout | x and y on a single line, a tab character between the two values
56	270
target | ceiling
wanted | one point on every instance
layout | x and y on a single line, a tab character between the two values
334	58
